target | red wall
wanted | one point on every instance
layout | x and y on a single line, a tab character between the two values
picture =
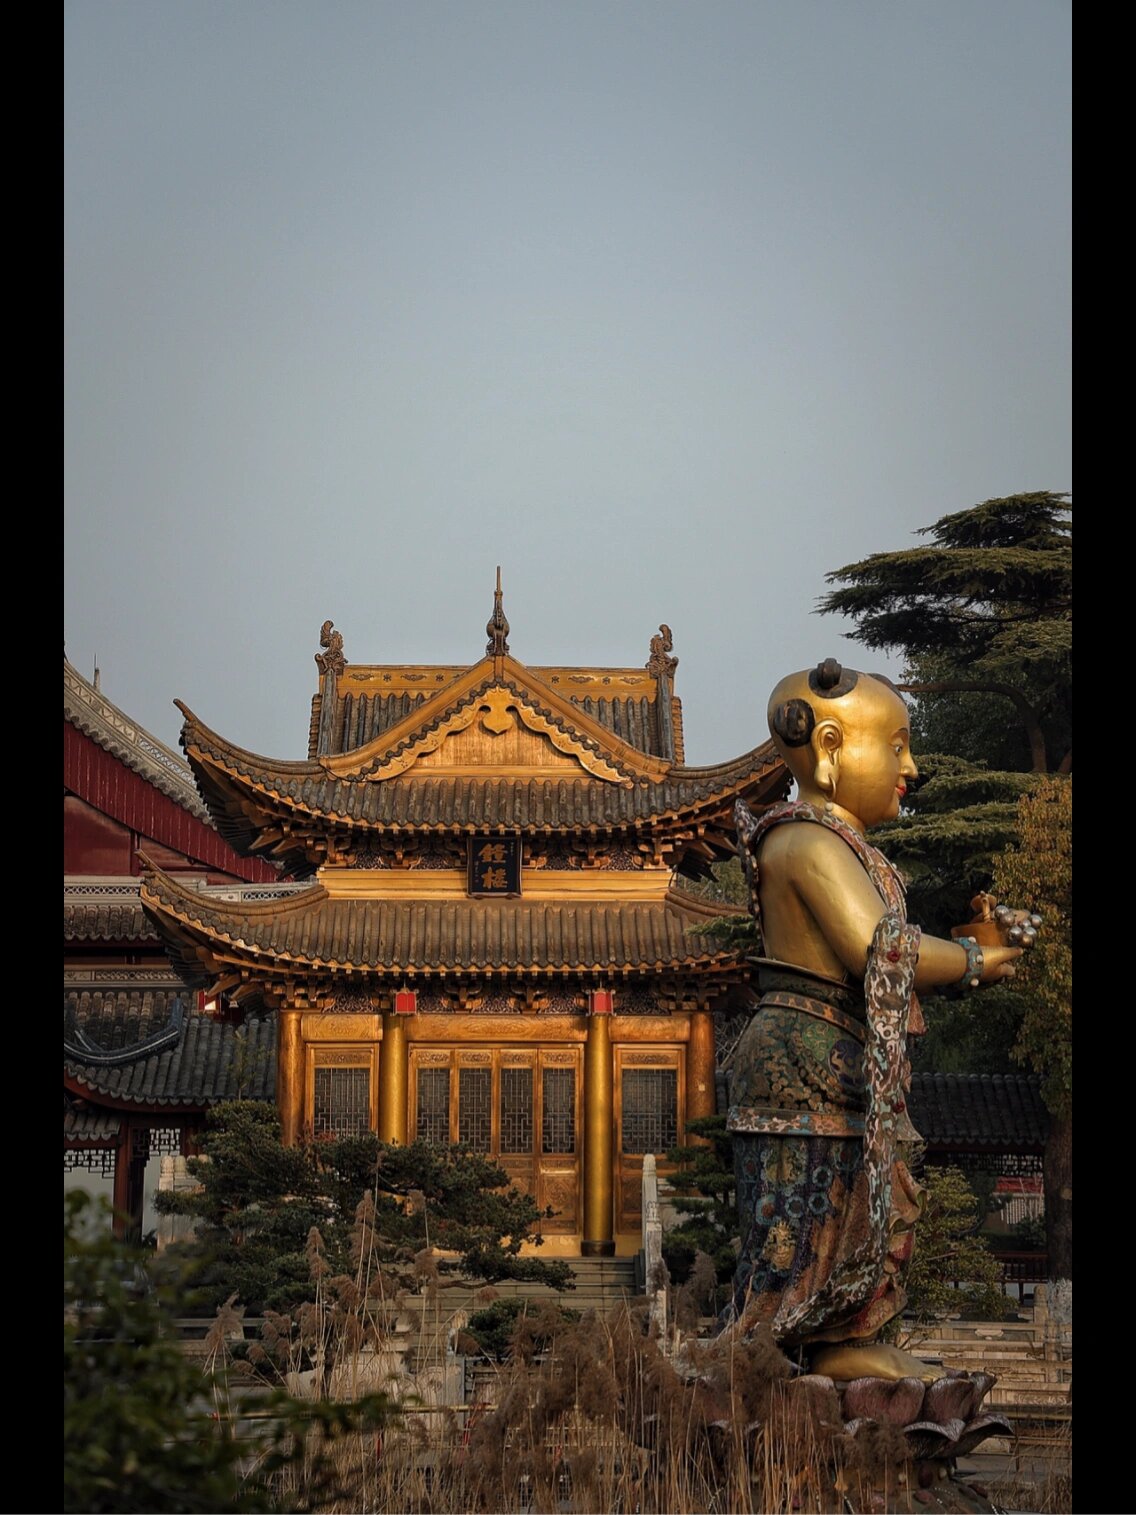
109	811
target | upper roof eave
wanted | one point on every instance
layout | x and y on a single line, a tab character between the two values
232	780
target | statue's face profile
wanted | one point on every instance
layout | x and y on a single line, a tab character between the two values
845	738
868	754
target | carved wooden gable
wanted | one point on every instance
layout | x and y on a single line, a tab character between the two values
502	723
498	733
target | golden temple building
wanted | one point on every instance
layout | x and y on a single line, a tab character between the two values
496	945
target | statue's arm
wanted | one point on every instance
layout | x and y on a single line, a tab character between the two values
812	883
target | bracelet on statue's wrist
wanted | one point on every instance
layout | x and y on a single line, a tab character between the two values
975	962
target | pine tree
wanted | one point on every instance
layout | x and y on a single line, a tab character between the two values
952	1264
983	618
985	611
706	1198
260	1203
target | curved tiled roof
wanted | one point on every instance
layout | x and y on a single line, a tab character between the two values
111	1026
1002	1111
206	1061
234	782
313	930
99	1128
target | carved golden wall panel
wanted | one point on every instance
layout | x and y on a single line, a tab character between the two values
497	1028
537	883
341	1028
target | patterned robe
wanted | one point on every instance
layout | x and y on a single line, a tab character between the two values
817	1105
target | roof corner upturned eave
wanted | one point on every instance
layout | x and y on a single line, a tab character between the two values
200	931
235	784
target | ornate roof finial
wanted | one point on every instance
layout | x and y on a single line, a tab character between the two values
497	626
659	663
331	661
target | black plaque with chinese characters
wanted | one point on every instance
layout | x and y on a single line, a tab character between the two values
495	865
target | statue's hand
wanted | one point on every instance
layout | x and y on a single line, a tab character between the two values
999	963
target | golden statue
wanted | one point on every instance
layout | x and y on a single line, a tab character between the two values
818	1081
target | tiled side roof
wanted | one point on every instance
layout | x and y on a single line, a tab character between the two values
208	1061
111	765
116	1023
1001	1111
105	921
109	909
315	931
89	709
97	1127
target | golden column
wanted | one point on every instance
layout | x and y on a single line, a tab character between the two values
700	1099
290	1075
393	1079
599	1128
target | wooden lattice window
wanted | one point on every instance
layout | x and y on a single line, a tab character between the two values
342	1104
516	1111
558	1112
432	1123
475	1107
650	1110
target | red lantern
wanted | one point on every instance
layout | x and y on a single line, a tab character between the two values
406	1002
602	1001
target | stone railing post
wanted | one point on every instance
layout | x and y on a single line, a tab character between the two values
653	1247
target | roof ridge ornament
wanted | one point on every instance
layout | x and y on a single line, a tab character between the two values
497	627
331	661
659	663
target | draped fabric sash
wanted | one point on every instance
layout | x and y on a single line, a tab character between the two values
888	1000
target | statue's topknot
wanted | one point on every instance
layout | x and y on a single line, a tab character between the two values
831	681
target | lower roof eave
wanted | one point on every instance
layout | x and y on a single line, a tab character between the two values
75	1084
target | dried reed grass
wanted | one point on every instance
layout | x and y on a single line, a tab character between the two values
592	1415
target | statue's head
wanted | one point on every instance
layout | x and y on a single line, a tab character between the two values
844	737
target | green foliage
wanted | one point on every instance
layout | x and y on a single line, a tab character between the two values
145	1429
953	1267
259	1203
494	1328
733	931
985	611
705	1197
725	882
957	819
1037	874
137	1433
970	1033
1028	1235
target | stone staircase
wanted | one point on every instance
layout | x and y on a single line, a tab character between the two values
1033	1362
429	1321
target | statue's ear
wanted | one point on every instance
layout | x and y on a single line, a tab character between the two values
826	741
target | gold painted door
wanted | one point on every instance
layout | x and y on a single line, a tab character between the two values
519	1106
558	1140
649	1101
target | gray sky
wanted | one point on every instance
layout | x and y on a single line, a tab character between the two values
667	308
